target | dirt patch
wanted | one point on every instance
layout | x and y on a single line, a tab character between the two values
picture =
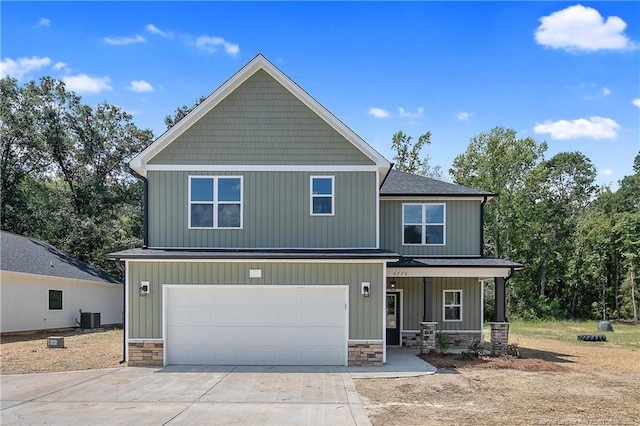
83	351
554	383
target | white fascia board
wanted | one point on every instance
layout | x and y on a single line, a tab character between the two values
258	260
470	272
139	162
258	168
442	198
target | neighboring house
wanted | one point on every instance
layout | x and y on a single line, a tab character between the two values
43	288
275	235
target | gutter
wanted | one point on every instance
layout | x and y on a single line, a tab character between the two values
386	176
145	208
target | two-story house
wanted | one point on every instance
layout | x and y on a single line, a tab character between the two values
274	235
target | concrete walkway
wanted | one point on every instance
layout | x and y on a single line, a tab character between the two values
197	395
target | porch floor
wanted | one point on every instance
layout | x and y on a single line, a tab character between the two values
401	362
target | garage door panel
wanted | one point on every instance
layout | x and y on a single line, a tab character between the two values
270	325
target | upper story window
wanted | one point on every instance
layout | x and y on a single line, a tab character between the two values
215	202
423	224
322	196
452	305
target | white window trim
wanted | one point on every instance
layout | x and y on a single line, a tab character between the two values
333	195
424	224
445	306
49	300
215	203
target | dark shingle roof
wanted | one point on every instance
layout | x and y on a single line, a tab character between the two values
455	262
140	253
31	256
400	183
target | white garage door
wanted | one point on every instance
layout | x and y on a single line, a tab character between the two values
255	325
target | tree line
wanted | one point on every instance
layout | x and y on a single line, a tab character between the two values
65	180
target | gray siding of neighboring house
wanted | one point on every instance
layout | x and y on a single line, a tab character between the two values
413	302
276	212
462	229
145	313
261	122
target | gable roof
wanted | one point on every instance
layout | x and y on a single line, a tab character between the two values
31	256
139	162
398	183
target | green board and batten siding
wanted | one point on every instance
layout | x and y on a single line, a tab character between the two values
271	219
413	302
261	123
145	312
462	229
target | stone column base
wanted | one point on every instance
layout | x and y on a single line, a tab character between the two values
499	338
427	337
364	353
146	353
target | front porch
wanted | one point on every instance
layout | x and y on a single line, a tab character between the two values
429	296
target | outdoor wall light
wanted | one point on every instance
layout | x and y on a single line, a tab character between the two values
392	284
366	287
145	288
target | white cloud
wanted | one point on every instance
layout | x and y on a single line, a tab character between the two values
140	86
82	83
464	116
155	30
18	68
582	28
417	114
636	102
123	41
606	91
211	45
606	172
44	22
593	127
378	112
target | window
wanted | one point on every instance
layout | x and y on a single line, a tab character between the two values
322	195
215	202
55	300
423	224
452	305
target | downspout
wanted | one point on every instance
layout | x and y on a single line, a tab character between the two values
484	201
145	208
506	280
124	314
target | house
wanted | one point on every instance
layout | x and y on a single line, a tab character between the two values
275	235
43	288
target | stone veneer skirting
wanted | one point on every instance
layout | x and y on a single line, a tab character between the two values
411	339
146	353
364	353
499	338
462	340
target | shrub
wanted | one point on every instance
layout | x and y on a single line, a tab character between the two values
443	342
475	348
513	350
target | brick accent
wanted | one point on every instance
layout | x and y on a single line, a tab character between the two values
146	353
499	338
427	337
463	340
365	353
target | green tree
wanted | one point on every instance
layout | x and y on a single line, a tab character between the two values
181	112
408	155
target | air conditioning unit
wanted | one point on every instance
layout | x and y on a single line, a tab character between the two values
55	342
89	320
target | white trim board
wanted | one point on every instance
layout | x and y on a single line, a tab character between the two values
258	168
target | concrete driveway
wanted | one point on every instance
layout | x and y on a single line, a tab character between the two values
184	395
190	395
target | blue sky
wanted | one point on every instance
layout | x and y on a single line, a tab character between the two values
564	72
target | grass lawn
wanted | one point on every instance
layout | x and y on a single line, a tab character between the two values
623	334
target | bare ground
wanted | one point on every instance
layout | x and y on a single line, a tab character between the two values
83	351
555	383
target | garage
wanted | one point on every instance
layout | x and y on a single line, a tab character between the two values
255	325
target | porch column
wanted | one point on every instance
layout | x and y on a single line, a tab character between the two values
500	300
428	294
499	338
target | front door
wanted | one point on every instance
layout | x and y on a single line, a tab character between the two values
393	318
